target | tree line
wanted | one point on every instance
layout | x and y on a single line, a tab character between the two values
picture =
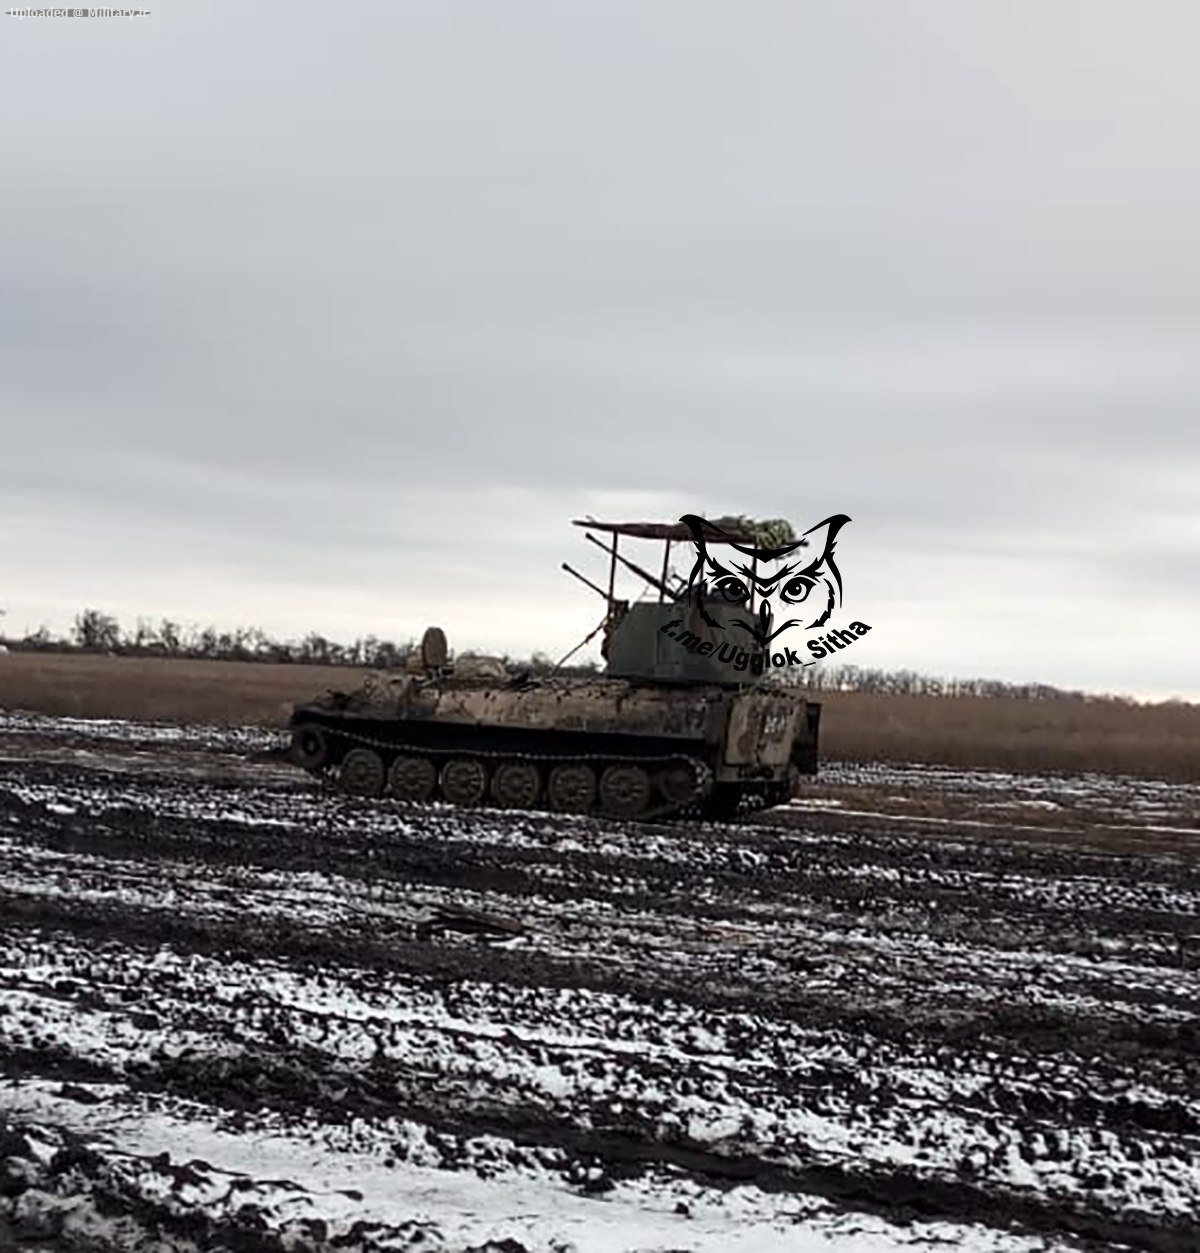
848	678
97	632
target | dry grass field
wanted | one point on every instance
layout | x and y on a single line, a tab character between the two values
1159	741
162	689
1154	741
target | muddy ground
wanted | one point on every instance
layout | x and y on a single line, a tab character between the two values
915	1009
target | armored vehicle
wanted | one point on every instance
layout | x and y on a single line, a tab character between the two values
665	731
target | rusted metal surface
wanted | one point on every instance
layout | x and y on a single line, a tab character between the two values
761	729
600	705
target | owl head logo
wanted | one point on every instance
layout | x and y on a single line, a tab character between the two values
800	578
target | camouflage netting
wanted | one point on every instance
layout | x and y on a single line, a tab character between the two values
768	533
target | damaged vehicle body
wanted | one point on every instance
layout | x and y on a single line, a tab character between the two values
663	732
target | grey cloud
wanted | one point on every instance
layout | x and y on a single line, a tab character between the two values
309	300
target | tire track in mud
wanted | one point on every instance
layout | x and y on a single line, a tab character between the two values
739	871
313	1078
900	907
1037	1003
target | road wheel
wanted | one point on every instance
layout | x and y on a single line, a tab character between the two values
624	791
310	747
516	783
412	778
572	789
363	773
464	781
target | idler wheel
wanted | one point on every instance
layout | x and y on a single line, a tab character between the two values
363	773
310	747
464	781
624	791
679	784
412	778
572	788
516	783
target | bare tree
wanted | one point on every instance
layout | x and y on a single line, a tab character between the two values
168	634
96	630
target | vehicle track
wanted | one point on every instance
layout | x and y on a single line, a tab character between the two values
953	1029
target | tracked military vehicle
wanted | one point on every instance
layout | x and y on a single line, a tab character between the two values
666	731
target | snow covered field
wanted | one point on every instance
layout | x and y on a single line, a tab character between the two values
238	1012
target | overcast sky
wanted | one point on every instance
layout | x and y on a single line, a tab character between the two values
332	317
